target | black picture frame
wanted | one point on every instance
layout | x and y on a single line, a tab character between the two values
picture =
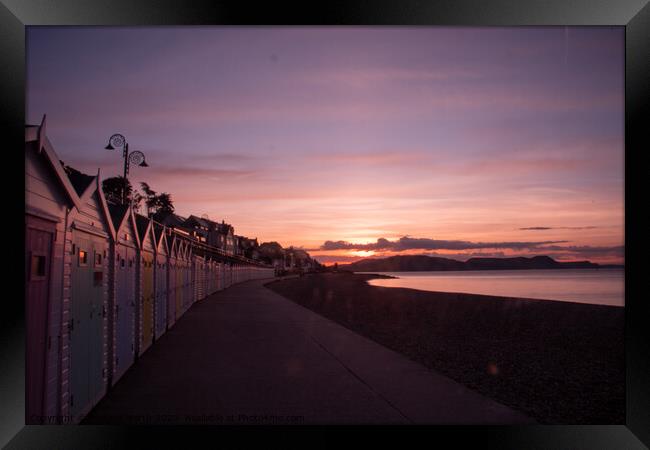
15	15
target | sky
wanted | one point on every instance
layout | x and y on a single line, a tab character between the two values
356	142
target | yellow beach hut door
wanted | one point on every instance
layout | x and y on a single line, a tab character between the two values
147	300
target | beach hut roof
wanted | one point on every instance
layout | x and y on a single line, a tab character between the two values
86	196
120	214
158	232
142	224
117	212
36	136
80	181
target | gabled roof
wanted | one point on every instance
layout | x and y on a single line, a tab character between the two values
120	215
80	182
95	189
201	221
174	220
142	224
225	227
158	231
179	247
160	235
44	147
117	213
104	205
174	246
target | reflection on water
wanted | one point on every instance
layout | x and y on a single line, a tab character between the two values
595	286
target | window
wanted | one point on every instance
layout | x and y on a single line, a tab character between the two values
83	257
98	259
131	262
122	262
38	267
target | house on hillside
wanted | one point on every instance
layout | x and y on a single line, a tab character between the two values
173	221
224	238
250	248
199	228
298	259
219	235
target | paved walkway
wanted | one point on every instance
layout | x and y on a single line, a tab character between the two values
248	355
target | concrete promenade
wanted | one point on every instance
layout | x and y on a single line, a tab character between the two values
246	355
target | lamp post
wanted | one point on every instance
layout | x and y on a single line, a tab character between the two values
135	157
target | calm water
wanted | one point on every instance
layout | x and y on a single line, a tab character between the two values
596	286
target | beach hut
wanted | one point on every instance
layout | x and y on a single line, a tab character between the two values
180	277
146	283
198	277
188	287
171	278
178	253
217	274
90	234
49	198
219	270
211	275
224	274
123	276
207	281
161	276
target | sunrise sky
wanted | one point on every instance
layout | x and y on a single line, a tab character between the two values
356	142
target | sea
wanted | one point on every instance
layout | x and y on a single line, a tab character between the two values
593	286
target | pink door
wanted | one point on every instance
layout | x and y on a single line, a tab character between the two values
38	256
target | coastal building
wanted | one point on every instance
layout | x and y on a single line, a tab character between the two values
101	282
298	259
251	248
172	286
161	276
225	238
174	222
123	291
88	241
184	257
145	309
198	228
178	248
219	235
49	199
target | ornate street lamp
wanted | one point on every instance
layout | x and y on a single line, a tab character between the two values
135	157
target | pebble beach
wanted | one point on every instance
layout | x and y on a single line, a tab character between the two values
558	362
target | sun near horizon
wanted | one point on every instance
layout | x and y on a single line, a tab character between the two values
355	142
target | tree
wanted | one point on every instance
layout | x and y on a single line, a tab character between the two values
113	191
150	197
70	171
269	251
158	205
164	204
136	200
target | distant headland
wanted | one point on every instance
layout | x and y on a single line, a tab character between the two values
413	263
